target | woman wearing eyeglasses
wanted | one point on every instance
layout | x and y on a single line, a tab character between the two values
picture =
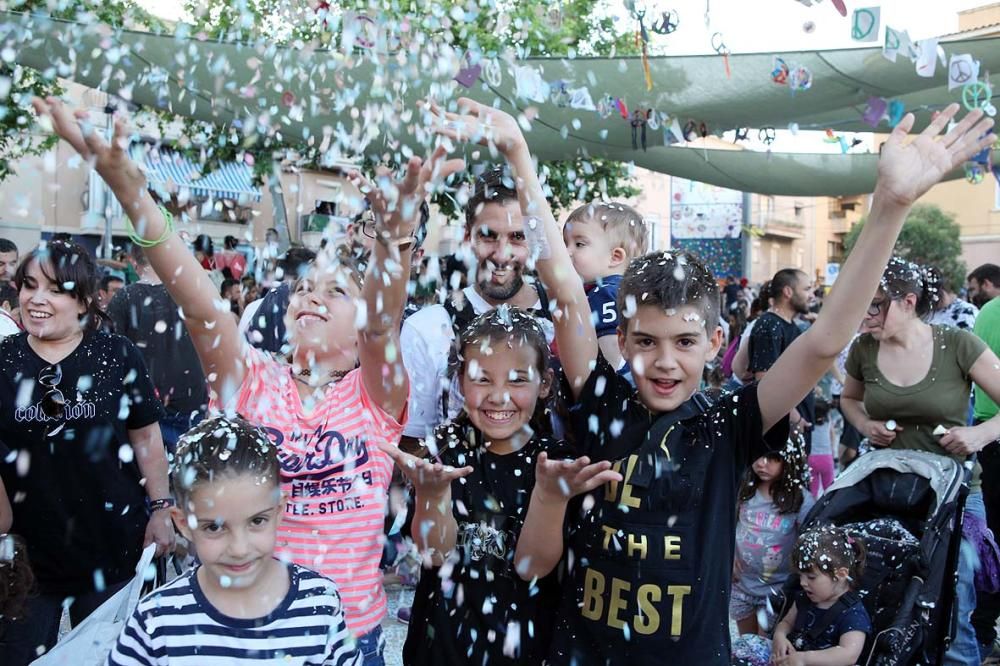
907	387
85	461
338	398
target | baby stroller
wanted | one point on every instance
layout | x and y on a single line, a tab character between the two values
907	508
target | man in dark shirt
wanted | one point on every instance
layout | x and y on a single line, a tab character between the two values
145	314
775	331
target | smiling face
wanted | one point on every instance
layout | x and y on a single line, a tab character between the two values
667	353
497	237
502	384
49	311
233	524
322	313
591	250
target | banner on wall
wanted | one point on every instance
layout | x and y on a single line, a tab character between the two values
700	210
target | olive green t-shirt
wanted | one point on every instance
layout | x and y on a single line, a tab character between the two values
940	398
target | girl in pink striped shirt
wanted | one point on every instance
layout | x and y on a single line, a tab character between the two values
338	399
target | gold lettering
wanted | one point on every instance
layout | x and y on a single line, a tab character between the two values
628	499
593	588
612	494
647	620
672	547
617	603
639	545
678	592
608	533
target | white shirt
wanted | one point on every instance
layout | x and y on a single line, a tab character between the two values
425	341
7	325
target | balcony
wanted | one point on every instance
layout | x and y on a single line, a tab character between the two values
782	229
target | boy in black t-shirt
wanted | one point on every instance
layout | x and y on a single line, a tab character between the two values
649	557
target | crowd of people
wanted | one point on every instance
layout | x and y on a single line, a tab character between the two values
601	454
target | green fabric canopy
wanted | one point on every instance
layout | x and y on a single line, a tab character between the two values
353	103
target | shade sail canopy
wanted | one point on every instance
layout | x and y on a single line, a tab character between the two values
173	172
363	104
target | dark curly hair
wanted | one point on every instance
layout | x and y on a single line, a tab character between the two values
16	578
902	277
788	491
495	185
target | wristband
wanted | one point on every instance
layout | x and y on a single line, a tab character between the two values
164	503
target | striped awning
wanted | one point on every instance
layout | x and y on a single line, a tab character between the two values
172	172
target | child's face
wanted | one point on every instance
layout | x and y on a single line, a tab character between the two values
591	251
322	312
233	524
502	385
821	588
667	353
768	469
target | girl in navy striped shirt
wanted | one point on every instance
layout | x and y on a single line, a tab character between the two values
240	605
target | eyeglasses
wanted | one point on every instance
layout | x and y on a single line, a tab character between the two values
877	307
53	403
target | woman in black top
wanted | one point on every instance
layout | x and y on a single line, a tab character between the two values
83	452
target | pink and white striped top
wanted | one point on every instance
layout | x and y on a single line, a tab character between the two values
335	475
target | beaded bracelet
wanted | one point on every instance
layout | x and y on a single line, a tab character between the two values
168	229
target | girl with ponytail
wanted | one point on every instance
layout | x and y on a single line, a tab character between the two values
907	387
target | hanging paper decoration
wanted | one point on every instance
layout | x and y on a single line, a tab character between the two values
468	75
719	45
579	98
766	135
653	119
492	72
606	106
638	123
962	69
896	112
800	78
779	73
559	94
669	20
874	111
865	24
974	172
622	109
742	134
976	95
689	130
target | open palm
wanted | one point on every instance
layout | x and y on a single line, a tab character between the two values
907	171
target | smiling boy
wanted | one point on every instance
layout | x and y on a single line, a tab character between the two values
650	556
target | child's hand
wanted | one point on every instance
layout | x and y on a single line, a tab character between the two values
906	172
111	161
781	647
479	124
793	658
397	204
559	480
431	480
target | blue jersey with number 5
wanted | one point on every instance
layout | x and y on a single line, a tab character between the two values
603	299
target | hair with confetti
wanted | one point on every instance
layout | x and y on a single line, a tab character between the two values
506	325
219	448
71	266
495	185
828	549
669	279
623	225
788	490
902	277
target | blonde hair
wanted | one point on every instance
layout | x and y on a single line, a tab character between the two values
623	225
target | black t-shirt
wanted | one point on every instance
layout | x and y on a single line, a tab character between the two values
467	611
650	562
146	315
732	293
771	336
75	492
267	328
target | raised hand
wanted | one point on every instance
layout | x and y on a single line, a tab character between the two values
431	480
906	172
478	123
559	480
396	204
112	162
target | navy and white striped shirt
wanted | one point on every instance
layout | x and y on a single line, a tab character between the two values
177	625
